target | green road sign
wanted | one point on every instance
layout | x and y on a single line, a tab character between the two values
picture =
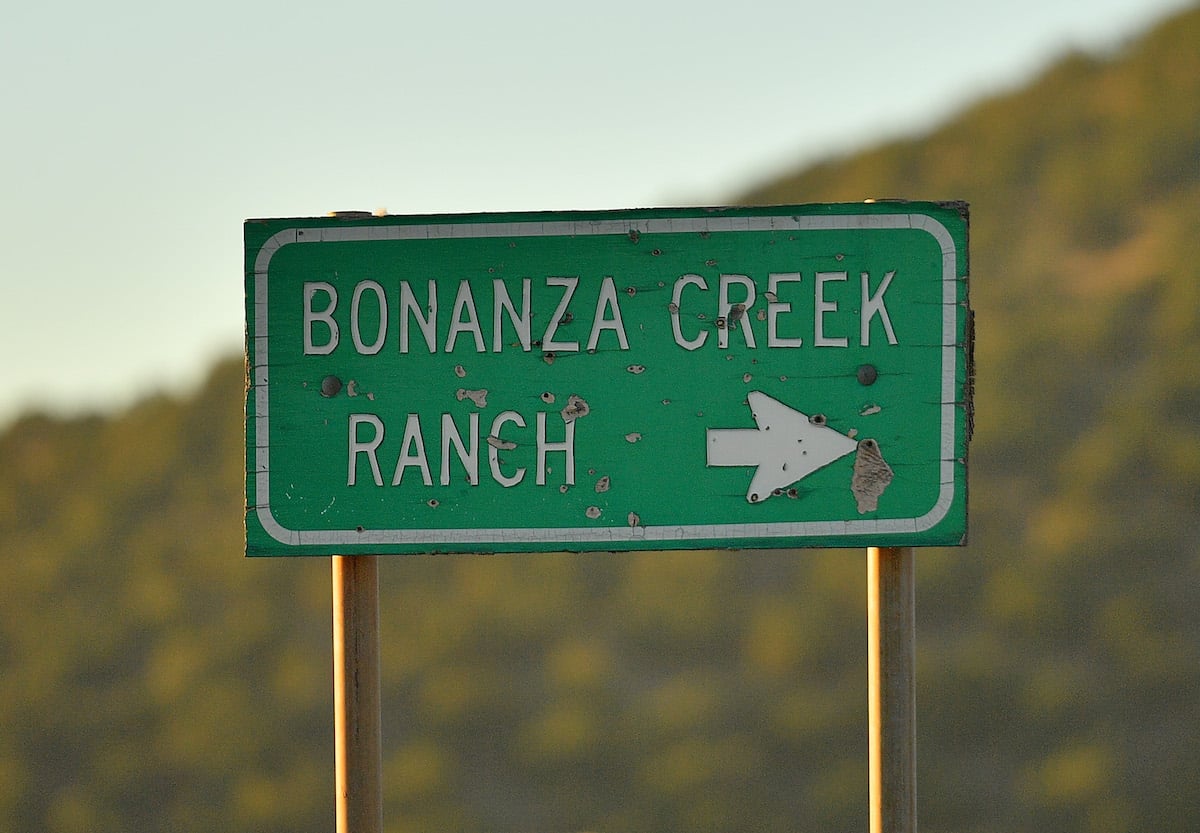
653	379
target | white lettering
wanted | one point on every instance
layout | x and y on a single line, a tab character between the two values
459	448
742	319
369	448
355	333
427	322
560	313
543	448
872	305
464	302
494	452
821	307
503	303
777	307
412	438
676	311
607	300
311	288
469	457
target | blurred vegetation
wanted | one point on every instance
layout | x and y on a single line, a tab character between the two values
153	679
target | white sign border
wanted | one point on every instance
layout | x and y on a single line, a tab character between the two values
829	530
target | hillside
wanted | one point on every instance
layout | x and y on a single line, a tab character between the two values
151	678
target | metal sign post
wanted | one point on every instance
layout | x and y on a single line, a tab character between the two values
356	694
891	687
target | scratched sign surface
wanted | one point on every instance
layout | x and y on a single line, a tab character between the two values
651	379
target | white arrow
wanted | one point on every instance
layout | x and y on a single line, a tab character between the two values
787	446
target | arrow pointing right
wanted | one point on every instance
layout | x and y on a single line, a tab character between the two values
786	447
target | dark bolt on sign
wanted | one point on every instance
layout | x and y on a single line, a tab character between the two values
790	376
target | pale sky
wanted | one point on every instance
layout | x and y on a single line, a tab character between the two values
137	136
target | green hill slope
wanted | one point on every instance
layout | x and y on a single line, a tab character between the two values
153	679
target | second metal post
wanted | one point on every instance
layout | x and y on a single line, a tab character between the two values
891	685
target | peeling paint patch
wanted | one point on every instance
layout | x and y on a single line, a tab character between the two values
871	476
433	503
503	445
635	369
603	484
479	397
460	371
746	377
592	512
632	437
736	313
548	358
548	397
635	520
869	410
575	409
564	488
352	388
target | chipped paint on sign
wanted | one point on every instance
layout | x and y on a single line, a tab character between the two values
871	476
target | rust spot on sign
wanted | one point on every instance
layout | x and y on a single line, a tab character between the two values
330	386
